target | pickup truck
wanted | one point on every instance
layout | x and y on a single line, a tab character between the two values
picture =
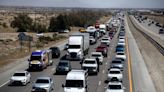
103	49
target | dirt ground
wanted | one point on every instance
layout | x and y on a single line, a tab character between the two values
9	44
152	57
157	18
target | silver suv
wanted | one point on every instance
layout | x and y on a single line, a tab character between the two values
43	84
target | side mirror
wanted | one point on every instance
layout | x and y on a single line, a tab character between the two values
43	59
63	85
81	62
28	60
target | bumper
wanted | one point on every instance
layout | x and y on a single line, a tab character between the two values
114	79
73	58
35	66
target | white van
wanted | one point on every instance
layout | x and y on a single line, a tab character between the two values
76	81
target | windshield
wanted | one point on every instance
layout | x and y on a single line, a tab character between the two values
114	86
74	46
105	39
102	29
96	55
19	74
120	53
114	72
63	64
74	83
35	58
89	62
116	62
42	81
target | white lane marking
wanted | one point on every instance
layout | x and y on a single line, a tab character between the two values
99	83
103	71
4	83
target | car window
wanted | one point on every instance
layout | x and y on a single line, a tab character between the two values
114	72
74	83
114	86
89	62
96	55
42	81
19	74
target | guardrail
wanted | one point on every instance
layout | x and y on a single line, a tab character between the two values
155	43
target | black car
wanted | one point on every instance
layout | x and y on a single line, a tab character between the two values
63	66
55	52
161	31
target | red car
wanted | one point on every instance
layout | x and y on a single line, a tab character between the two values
102	48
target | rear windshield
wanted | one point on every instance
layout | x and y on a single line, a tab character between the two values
116	61
114	72
63	64
96	55
42	81
19	74
114	86
89	62
74	83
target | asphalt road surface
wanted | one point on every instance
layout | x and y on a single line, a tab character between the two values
96	82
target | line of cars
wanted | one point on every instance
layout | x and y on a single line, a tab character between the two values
77	47
115	75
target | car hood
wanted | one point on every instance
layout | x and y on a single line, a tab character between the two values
66	89
18	78
41	85
73	50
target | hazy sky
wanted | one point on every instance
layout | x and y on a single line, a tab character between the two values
87	3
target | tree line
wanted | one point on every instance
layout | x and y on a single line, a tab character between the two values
24	23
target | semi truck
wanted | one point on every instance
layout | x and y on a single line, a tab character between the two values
78	46
40	59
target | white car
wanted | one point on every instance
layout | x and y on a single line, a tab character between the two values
121	55
115	87
115	74
99	55
105	41
91	65
22	77
92	40
121	42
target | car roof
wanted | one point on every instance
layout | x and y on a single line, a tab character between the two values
76	74
64	60
90	58
115	83
96	53
20	71
43	78
114	69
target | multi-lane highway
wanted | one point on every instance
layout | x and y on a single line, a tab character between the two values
96	82
136	76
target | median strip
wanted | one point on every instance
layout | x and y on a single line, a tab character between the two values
129	67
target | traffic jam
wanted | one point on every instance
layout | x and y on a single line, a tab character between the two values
78	48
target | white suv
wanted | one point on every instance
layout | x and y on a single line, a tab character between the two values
98	55
22	77
115	74
115	87
91	65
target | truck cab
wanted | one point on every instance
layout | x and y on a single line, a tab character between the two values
78	46
76	81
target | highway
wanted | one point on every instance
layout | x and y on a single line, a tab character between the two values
96	83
